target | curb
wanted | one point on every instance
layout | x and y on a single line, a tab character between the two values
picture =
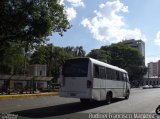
2	97
136	88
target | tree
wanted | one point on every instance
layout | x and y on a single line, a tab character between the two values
45	55
53	56
99	55
31	21
79	52
12	61
127	58
75	51
123	55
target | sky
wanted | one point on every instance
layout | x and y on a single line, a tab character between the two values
96	23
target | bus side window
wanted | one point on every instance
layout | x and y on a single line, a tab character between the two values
113	74
118	76
96	71
102	73
122	76
108	73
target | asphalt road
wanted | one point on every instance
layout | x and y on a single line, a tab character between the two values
54	107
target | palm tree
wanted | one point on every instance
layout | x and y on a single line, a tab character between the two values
79	52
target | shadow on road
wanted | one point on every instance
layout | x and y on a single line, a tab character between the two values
61	109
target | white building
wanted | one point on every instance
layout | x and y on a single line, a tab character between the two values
38	70
154	69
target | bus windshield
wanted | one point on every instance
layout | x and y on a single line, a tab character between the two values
75	68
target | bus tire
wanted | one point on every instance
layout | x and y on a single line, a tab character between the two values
109	97
158	110
84	101
127	95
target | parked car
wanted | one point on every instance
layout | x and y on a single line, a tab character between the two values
150	86
155	86
146	87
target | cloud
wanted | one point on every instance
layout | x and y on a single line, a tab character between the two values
157	40
71	13
61	2
76	3
70	7
109	25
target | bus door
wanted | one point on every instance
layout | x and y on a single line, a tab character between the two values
125	83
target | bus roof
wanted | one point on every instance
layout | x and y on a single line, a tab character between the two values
102	63
107	65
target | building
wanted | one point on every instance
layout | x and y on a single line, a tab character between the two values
138	44
154	69
151	81
17	83
153	74
159	68
37	70
36	80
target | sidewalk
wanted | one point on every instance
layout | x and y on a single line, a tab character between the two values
2	97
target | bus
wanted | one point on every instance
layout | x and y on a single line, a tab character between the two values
89	79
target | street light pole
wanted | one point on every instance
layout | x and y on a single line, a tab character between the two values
148	75
148	71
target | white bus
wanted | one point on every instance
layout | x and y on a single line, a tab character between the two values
88	79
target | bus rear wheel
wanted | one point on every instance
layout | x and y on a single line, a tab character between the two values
158	110
127	95
109	98
84	100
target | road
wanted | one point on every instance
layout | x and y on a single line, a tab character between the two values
140	101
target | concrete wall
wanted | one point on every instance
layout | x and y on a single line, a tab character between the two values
42	84
38	70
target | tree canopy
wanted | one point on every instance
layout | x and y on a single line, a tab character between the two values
123	55
27	23
31	21
99	54
12	61
54	57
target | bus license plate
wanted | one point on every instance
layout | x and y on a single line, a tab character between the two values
72	94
